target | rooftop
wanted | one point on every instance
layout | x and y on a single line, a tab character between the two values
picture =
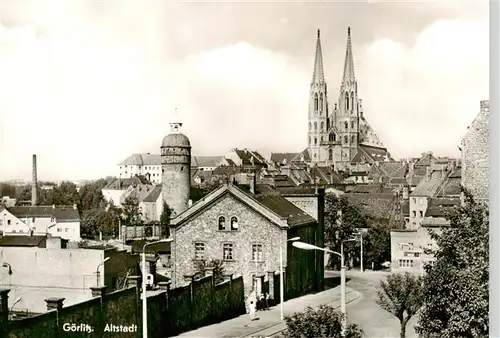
428	187
154	194
27	241
60	213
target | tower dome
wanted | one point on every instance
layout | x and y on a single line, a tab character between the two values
176	140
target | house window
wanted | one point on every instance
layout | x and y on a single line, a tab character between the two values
234	223
414	200
33	219
346	140
14	231
227	251
257	252
421	213
322	126
353	139
310	126
66	229
199	251
315	141
59	229
346	101
315	126
352	124
406	263
414	213
421	201
222	223
346	125
416	254
8	222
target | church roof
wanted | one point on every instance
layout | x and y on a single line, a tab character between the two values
318	73
349	61
283	158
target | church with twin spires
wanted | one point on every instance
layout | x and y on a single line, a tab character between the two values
339	134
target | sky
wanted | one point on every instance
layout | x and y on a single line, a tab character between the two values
84	84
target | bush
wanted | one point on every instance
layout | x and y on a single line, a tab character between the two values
323	322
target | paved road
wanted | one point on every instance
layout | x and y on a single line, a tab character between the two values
365	312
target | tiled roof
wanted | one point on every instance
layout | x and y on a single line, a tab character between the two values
246	155
154	194
205	175
302	156
425	160
374	205
456	174
60	213
230	162
394	169
122	184
281	206
222	171
429	187
22	241
283	158
369	189
452	187
287	191
206	161
142	159
140	192
416	179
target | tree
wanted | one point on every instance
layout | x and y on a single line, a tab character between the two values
401	295
456	288
165	216
341	221
216	264
90	195
377	246
65	194
323	322
132	213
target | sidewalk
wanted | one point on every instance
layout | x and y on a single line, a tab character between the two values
269	322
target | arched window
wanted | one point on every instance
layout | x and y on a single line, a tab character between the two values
321	139
315	141
353	139
352	124
330	154
330	138
346	101
316	102
309	139
234	223
310	126
345	139
322	126
315	126
222	223
321	101
352	101
346	125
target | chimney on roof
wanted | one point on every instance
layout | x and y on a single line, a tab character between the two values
34	183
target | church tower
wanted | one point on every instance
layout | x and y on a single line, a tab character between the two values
319	123
176	167
347	116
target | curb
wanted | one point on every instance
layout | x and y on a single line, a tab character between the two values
256	333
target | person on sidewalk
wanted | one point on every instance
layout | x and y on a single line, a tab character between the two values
266	301
252	299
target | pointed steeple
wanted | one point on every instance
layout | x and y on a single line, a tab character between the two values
318	74
349	61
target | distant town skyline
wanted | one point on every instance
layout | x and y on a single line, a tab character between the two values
86	84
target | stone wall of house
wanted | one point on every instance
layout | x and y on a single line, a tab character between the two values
475	155
252	229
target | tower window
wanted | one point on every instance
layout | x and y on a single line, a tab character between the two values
310	126
346	140
346	125
352	124
353	139
309	139
346	101
330	137
182	168
330	154
315	126
322	126
321	139
316	102
320	102
222	223
315	141
352	101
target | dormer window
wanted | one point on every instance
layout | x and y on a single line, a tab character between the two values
234	223
222	223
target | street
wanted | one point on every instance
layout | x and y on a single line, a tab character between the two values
365	312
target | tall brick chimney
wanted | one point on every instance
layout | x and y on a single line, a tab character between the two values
34	183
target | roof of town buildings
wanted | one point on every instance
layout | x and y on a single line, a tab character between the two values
440	207
206	161
123	183
60	213
452	186
226	170
137	246
283	158
428	187
370	153
142	159
246	156
285	209
22	240
303	156
425	160
140	192
374	205
154	194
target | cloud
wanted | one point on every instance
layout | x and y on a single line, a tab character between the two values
87	89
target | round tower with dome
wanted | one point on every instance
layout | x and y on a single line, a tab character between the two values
176	169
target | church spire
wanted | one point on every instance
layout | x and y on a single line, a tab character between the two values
318	74
349	61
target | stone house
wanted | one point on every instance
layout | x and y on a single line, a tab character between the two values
245	229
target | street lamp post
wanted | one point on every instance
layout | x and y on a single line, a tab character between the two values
144	301
307	246
282	291
97	269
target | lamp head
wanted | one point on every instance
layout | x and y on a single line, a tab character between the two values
106	259
304	246
294	239
166	240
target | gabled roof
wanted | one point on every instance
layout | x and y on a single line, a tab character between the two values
246	157
425	160
303	156
428	187
224	171
139	192
142	159
60	213
283	158
122	184
273	206
370	154
154	194
206	161
374	205
30	241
